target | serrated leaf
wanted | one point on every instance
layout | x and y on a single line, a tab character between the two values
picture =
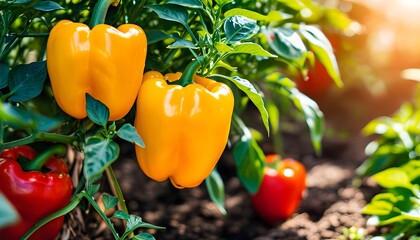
238	28
216	190
99	154
96	111
182	43
109	201
251	48
27	80
187	3
8	214
4	75
246	13
321	47
287	44
47	6
249	159
171	12
121	215
129	133
313	116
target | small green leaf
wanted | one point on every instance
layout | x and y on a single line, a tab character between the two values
313	116
155	35
246	13
251	48
8	214
321	47
4	75
238	28
144	236
130	134
171	12
121	215
96	111
182	43
109	201
187	3
47	6
27	80
222	47
99	154
216	189
287	44
91	187
135	222
392	177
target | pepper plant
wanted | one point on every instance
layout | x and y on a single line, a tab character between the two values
393	161
63	82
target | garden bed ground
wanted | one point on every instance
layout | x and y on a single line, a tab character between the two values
331	201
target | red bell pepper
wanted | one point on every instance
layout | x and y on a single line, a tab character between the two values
281	189
35	194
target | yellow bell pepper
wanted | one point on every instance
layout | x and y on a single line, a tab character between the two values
106	62
184	129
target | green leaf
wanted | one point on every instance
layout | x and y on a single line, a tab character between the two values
251	48
246	13
381	204
109	201
121	215
135	222
182	43
313	116
222	47
96	111
287	44
393	177
99	154
19	118
187	3
144	236
238	28
250	162
171	12
221	3
216	189
8	214
26	81
47	6
321	47
4	75
154	36
252	93
129	133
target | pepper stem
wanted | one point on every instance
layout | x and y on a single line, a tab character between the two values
189	72
39	161
100	10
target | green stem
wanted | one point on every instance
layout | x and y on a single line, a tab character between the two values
189	72
20	35
72	205
100	10
40	137
116	189
101	213
40	160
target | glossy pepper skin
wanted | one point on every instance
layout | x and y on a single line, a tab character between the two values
185	129
106	62
34	194
281	189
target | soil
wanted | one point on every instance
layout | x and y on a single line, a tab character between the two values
331	202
